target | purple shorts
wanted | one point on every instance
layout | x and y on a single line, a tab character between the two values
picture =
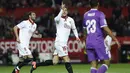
98	52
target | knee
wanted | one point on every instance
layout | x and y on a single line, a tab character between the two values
107	62
55	62
29	56
66	59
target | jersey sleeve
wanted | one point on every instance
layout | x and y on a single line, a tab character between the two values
73	27
73	24
84	25
103	21
57	18
36	27
21	25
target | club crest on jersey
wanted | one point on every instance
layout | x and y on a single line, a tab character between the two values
66	26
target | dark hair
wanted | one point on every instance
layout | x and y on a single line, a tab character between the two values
26	15
93	3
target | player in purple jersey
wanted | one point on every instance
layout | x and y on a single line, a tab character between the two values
95	24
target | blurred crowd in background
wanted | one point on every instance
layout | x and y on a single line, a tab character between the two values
119	23
12	4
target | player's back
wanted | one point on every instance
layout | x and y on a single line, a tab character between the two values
93	22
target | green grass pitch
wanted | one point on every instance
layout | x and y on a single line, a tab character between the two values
78	68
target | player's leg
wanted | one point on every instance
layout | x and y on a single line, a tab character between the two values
63	52
18	65
44	63
104	67
47	62
57	52
25	53
22	61
67	64
92	58
28	57
55	59
103	55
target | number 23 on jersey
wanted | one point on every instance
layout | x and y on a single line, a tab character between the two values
91	26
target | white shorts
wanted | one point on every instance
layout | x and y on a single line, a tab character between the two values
60	49
23	50
108	52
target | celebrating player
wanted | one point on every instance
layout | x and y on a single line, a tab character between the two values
64	24
26	30
94	24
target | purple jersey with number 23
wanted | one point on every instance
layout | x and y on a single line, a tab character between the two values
94	21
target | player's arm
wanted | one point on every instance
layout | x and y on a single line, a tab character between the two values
19	26
103	24
108	31
75	30
84	33
57	18
16	33
36	34
84	28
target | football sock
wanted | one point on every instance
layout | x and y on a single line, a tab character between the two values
93	70
25	62
102	69
21	64
68	67
18	66
46	63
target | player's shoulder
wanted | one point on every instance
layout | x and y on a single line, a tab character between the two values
101	13
22	22
70	18
35	24
97	12
86	13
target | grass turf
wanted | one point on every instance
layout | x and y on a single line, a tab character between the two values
78	68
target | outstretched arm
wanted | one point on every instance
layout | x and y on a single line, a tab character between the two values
57	18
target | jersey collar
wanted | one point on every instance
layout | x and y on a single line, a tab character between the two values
93	9
65	17
31	21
